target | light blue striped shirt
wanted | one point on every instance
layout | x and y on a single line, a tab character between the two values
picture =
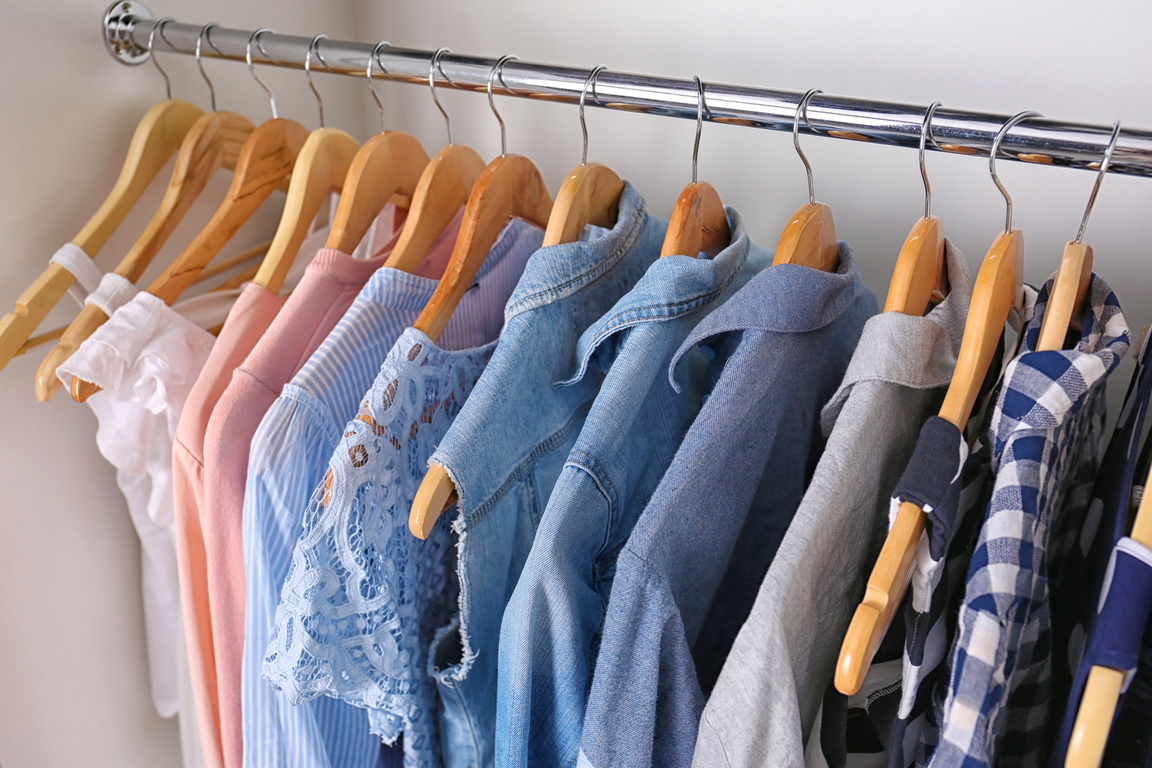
289	455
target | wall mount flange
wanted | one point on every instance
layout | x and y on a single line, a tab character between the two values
119	20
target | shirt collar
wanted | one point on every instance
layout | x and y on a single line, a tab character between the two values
784	298
1042	388
914	352
672	286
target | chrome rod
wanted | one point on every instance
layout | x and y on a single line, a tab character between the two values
127	26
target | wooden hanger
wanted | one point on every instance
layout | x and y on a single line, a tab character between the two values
443	189
809	238
320	169
156	139
590	194
699	223
213	141
920	277
1102	690
1066	303
997	290
510	186
387	167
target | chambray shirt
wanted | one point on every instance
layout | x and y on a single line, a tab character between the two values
689	573
1046	429
552	623
508	445
289	455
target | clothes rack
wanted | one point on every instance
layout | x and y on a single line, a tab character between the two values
127	25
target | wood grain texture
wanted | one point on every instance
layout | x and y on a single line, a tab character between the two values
443	189
698	224
920	277
388	164
590	194
1066	304
321	168
809	239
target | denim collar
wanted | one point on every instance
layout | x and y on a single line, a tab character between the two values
671	287
563	269
785	298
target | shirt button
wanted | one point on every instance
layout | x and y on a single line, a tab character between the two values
708	352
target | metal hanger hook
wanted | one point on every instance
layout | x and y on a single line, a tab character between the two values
802	108
590	81
701	108
199	39
315	45
1099	179
1019	117
372	60
497	69
925	135
255	38
152	54
432	65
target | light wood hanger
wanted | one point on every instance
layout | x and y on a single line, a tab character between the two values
809	238
443	189
510	186
1102	690
699	223
998	288
320	169
157	137
590	194
920	277
213	141
1065	309
387	167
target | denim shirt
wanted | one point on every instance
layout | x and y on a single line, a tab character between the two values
690	571
552	623
508	445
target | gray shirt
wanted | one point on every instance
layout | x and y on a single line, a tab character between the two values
767	696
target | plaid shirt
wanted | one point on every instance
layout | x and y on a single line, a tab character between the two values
1045	435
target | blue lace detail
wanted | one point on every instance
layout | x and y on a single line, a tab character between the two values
364	598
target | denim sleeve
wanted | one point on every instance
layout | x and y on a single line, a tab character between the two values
648	617
551	629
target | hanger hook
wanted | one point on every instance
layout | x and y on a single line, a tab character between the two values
199	39
372	60
151	35
432	66
315	45
590	81
802	108
1016	118
925	134
497	70
255	38
1099	179
701	108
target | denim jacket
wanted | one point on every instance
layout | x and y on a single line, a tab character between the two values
507	446
552	623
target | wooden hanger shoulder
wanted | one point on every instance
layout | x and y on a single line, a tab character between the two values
997	290
699	223
320	169
156	139
920	276
266	159
443	189
590	194
809	239
1065	307
214	140
510	186
387	167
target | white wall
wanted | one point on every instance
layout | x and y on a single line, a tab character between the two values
73	679
73	686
